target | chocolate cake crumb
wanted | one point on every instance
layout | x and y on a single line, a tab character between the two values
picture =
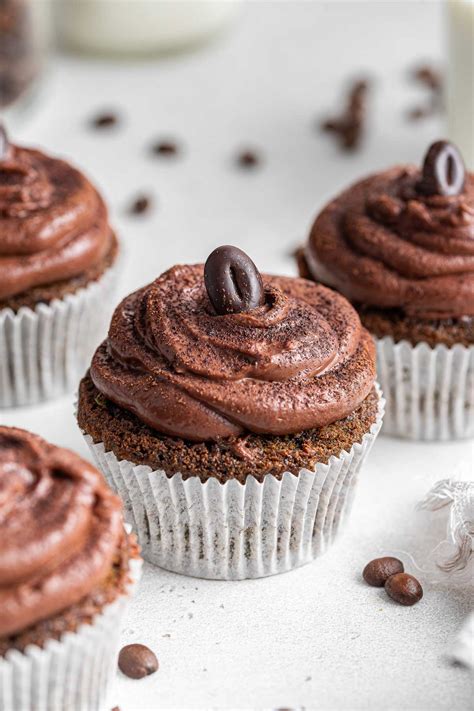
129	438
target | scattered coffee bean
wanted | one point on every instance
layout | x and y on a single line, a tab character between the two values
404	589
419	112
248	159
105	120
429	77
348	127
167	149
137	661
232	280
140	205
377	572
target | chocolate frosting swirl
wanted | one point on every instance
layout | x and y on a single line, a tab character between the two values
382	243
60	527
53	222
300	361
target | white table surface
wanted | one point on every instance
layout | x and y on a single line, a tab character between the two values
316	637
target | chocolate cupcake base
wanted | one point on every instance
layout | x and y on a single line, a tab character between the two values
207	527
72	672
44	350
425	369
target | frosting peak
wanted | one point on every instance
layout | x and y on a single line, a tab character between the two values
60	527
384	242
24	186
299	361
53	222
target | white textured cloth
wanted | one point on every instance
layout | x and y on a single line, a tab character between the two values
453	557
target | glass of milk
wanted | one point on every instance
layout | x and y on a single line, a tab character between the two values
139	27
460	77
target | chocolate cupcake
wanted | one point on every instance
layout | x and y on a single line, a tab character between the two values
57	256
67	569
232	415
400	246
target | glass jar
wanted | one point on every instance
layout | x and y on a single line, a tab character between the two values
24	35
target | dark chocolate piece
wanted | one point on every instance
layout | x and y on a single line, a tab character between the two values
232	280
443	170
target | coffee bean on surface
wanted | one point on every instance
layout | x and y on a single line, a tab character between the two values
165	148
248	159
140	205
404	589
377	572
137	661
105	120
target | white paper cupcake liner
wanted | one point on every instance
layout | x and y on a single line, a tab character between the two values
233	531
70	674
44	351
429	392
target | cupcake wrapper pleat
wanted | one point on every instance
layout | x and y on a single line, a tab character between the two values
233	531
70	674
44	351
429	392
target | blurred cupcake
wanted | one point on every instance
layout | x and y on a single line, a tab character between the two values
400	246
232	416
57	252
67	569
